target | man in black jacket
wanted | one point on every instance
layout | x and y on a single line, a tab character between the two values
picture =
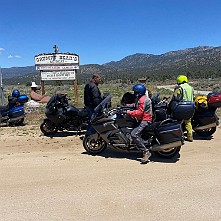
92	97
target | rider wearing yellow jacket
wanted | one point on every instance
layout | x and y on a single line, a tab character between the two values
184	91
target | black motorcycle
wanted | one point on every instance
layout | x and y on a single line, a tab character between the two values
113	128
204	121
62	116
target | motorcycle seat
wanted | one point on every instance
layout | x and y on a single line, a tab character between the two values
151	127
82	113
4	108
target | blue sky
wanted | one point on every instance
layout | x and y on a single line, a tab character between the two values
101	31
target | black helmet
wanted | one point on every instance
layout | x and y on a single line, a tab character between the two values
16	93
139	89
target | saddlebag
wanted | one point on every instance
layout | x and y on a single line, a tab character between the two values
16	111
182	110
214	99
205	118
169	132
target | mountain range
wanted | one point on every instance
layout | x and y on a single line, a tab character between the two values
196	62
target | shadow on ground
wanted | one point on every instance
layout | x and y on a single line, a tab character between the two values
133	155
66	134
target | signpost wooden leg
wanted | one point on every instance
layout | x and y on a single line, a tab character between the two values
42	87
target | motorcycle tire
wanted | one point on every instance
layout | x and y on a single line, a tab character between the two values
206	132
94	146
168	153
48	128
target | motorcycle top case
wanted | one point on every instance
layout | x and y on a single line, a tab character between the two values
23	98
214	99
16	111
182	110
170	132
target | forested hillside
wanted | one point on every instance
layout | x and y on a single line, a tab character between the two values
199	62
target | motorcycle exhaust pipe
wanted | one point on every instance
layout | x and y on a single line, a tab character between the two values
15	119
166	146
205	126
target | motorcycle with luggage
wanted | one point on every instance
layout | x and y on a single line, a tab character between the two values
60	116
205	119
13	114
113	129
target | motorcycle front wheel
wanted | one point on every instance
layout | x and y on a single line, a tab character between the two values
48	128
207	132
168	153
94	146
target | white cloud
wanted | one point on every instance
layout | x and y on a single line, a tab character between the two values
12	56
1	50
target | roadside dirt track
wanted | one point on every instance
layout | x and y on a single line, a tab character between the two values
45	178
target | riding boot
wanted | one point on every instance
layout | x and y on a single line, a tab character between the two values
146	156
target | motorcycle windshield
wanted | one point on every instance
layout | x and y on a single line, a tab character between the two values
100	107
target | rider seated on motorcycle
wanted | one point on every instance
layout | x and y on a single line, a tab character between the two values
184	92
13	98
143	112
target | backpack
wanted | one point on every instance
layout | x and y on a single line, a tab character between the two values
201	103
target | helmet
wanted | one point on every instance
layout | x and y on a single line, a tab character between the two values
15	93
139	89
182	79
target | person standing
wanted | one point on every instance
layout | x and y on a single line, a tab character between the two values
92	97
143	113
184	92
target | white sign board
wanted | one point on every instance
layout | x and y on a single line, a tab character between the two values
59	58
56	67
58	75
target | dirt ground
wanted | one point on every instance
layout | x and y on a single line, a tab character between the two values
45	178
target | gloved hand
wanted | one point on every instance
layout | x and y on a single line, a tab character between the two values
123	111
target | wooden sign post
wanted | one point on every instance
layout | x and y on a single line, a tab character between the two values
58	66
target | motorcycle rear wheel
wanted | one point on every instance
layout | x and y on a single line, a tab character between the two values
94	146
48	128
168	153
206	132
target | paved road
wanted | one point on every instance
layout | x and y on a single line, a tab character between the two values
171	87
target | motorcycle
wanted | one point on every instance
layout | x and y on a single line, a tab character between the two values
13	115
113	128
60	115
205	123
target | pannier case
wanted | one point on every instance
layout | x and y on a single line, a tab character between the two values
205	118
214	99
182	110
16	111
170	132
